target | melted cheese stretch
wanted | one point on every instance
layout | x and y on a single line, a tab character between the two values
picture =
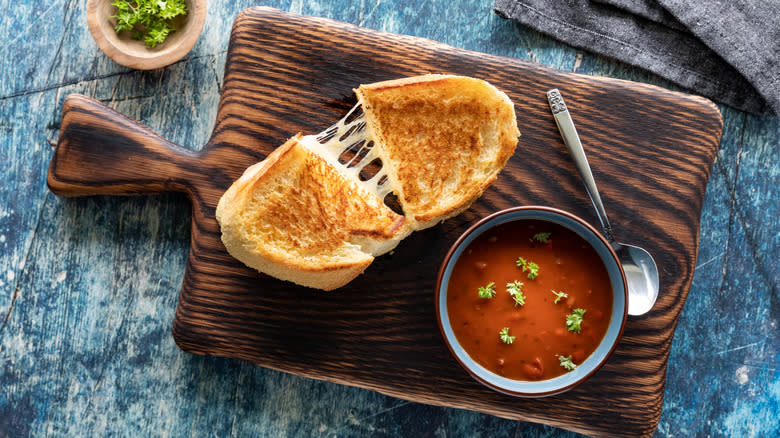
351	134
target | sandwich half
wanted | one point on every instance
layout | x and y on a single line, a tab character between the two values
296	217
442	139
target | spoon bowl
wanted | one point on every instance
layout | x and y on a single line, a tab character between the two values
641	276
639	267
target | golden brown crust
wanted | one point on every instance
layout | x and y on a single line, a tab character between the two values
444	139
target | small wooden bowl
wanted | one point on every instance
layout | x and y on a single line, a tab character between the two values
134	53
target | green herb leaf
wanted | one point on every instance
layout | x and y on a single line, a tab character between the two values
156	36
488	291
533	269
559	296
504	335
515	289
567	363
530	267
150	20
541	237
574	320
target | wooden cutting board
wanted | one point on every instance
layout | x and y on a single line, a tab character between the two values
651	151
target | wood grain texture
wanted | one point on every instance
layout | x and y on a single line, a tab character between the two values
286	73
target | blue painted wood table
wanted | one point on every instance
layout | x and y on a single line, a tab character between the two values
88	286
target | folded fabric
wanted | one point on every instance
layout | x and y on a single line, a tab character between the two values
724	50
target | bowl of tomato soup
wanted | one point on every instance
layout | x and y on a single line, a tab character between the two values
531	301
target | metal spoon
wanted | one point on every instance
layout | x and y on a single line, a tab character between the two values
639	266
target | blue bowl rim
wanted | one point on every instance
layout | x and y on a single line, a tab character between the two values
559	384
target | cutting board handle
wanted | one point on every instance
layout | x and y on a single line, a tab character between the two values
102	152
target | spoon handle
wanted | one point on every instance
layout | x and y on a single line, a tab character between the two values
572	140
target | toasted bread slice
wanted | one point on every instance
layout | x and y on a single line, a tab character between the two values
442	140
296	217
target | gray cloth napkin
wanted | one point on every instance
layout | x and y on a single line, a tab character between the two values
726	50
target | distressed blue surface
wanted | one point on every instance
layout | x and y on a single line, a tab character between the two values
88	286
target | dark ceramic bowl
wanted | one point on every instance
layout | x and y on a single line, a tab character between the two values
593	362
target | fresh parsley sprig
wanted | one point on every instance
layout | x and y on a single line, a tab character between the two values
559	296
541	237
488	291
530	267
504	335
574	320
515	289
567	363
149	20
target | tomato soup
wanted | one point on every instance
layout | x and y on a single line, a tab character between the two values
529	300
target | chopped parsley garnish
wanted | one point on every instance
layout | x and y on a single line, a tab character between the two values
530	267
574	320
515	289
541	237
148	20
566	362
488	291
504	335
559	296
